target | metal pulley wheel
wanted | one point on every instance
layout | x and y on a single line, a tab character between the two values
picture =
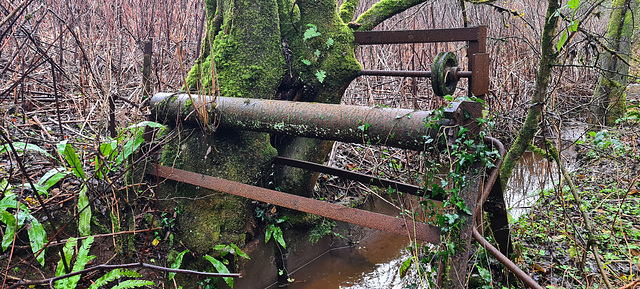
444	70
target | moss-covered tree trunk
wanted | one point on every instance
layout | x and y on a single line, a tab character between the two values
289	50
609	102
548	58
299	50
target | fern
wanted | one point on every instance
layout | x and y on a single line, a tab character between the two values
82	259
133	284
114	275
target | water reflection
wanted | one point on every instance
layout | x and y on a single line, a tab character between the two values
371	264
531	175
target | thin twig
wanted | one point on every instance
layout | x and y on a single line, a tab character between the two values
120	266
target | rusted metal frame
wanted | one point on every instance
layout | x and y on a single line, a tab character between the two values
401	128
391	224
363	178
479	64
476	52
420	36
411	73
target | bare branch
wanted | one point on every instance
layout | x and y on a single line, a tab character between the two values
130	265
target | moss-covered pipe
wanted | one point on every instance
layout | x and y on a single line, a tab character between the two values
402	128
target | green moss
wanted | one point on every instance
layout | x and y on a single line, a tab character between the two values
210	217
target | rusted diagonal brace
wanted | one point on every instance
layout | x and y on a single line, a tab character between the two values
398	226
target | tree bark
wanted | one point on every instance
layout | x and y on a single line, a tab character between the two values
609	101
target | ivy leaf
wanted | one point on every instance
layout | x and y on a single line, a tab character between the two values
306	61
317	53
321	75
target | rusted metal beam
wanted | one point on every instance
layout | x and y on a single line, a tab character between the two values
420	36
367	179
401	128
391	224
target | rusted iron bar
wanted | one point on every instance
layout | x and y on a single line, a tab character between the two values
391	224
420	36
492	200
409	73
504	260
367	179
401	128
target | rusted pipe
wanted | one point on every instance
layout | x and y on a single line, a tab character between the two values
410	73
504	260
494	173
391	224
401	128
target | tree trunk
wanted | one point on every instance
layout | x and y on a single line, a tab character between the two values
299	50
548	58
609	101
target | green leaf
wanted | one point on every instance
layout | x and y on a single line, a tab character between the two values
10	220
50	178
114	275
573	27
317	53
405	267
84	221
275	232
107	150
69	154
306	62
176	263
37	238
129	148
311	32
152	124
5	187
133	284
321	75
329	42
21	147
573	4
10	201
239	252
563	39
221	268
